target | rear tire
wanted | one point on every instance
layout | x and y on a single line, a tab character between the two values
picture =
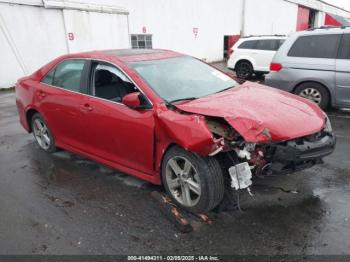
42	134
201	177
314	92
244	69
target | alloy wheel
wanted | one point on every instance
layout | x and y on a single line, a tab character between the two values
183	181
312	94
41	134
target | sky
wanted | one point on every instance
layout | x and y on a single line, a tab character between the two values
341	3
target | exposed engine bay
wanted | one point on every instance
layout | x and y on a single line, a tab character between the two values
273	158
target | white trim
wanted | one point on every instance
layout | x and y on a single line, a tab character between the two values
66	4
23	2
57	4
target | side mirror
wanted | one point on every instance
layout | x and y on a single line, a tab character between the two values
132	100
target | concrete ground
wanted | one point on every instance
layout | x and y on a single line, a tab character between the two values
62	204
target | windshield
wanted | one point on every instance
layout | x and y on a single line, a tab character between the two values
182	78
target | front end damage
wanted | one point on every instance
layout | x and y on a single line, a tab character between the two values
248	147
273	157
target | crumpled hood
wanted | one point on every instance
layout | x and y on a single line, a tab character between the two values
260	113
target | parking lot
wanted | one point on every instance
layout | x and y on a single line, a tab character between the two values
63	204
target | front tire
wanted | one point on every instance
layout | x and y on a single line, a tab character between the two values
193	182
244	69
42	134
314	92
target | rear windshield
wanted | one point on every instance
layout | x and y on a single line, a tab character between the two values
315	46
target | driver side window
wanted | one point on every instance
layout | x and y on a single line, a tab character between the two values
110	83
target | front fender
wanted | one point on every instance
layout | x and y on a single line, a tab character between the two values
188	131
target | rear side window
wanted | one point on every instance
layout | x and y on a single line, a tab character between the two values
66	75
250	44
268	45
344	52
315	46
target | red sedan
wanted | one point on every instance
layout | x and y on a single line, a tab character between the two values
171	119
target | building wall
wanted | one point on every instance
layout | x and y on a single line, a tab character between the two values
31	35
171	24
276	16
95	31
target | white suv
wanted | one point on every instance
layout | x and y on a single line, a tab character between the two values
253	54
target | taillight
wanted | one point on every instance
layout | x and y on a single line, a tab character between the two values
275	67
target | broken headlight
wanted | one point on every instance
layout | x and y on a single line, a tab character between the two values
328	125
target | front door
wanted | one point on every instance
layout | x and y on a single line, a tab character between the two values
116	132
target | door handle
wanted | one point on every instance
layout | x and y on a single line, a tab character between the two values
87	107
41	93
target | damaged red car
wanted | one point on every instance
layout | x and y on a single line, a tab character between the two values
173	120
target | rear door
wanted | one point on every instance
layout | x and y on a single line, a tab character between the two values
343	73
264	53
61	98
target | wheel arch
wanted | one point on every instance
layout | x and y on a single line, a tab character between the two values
29	115
161	159
245	59
316	82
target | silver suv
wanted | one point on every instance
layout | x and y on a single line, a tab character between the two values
315	64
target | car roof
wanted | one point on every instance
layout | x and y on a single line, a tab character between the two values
264	37
127	55
325	30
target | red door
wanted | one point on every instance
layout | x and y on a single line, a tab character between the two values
116	132
303	18
63	110
120	134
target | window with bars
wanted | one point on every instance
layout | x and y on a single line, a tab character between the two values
141	41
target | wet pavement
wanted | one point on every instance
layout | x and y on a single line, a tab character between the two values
62	204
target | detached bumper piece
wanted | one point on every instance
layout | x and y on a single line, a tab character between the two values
296	155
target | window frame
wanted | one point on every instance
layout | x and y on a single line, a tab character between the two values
90	82
275	45
253	48
82	85
340	54
86	80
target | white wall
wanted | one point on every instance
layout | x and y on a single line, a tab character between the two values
29	37
171	23
96	31
270	17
